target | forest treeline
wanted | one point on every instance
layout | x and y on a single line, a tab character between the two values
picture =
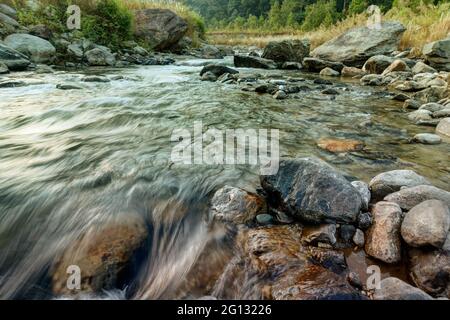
282	14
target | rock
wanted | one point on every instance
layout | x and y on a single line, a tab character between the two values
95	79
322	81
329	72
140	51
3	68
444	113
316	65
264	219
437	82
430	271
354	280
37	49
421	67
364	192
325	233
358	238
372	80
5	19
432	107
160	28
291	66
103	254
266	88
391	181
329	91
311	190
100	56
41	31
43	68
340	145
431	94
411	104
364	220
377	64
407	198
346	232
241	61
437	54
13	59
68	86
209	76
287	50
75	50
419	115
351	72
5	9
395	289
217	70
426	224
408	86
208	51
443	128
397	65
383	237
234	205
356	45
427	138
280	95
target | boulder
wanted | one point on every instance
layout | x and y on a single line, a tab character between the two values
236	206
407	198
397	65
317	65
100	56
426	224
160	28
103	254
437	54
351	72
3	68
395	289
356	45
432	107
364	192
443	128
13	59
431	94
421	67
217	70
311	190
383	237
241	61
329	72
5	9
37	49
427	138
7	20
41	31
391	181
287	50
75	50
377	64
430	271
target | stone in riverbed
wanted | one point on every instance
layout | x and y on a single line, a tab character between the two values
407	198
365	220
372	80
431	94
68	86
287	50
291	66
217	70
444	113
443	128
316	65
430	271
420	115
383	238
100	56
346	232
264	219
427	138
3	68
377	64
311	190
397	65
426	224
5	9
280	95
329	72
13	59
364	192
325	233
352	72
7	20
438	54
395	289
95	79
241	61
411	104
37	49
41	31
103	254
391	181
421	67
340	145
358	238
432	106
209	76
235	205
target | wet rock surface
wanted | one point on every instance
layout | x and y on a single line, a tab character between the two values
396	289
407	198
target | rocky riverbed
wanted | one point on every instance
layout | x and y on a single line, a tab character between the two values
86	178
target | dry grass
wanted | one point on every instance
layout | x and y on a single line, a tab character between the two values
424	25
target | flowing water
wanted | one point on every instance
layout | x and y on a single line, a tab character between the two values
77	158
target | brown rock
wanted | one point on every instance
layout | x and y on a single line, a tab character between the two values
340	145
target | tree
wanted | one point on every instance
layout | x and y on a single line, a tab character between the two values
321	13
357	6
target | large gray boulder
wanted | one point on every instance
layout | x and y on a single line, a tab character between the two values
13	59
377	64
395	289
311	190
287	50
357	45
161	28
437	54
242	61
37	49
100	56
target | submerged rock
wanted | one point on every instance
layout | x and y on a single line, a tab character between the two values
407	198
391	181
287	50
311	190
103	255
340	145
426	224
241	61
217	70
37	49
395	289
356	45
383	238
235	205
